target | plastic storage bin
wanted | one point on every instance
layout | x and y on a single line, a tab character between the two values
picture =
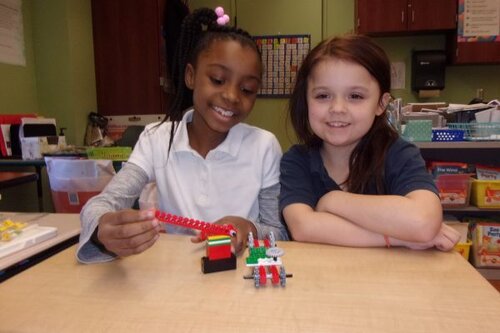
418	130
486	193
478	131
73	182
454	190
446	135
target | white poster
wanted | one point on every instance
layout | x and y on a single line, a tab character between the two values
11	33
481	18
398	71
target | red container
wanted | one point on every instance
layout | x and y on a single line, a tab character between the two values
70	202
454	190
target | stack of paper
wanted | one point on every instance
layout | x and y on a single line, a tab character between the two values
30	236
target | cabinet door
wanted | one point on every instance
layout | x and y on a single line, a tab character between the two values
471	53
381	16
432	15
128	56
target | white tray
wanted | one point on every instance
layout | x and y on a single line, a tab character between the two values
30	236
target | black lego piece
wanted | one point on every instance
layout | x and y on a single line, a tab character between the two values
219	265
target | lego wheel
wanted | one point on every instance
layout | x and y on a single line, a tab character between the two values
282	276
256	277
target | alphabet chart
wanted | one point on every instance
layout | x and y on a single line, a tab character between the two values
282	56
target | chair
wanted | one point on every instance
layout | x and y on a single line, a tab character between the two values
130	136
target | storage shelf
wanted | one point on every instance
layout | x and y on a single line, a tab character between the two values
459	145
475	152
470	209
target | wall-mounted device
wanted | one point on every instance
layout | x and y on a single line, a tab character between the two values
427	70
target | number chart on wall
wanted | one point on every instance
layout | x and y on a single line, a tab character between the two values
282	56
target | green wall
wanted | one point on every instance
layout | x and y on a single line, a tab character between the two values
58	80
64	60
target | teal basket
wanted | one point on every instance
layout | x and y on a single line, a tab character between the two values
478	131
418	130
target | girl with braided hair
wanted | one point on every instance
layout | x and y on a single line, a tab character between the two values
206	163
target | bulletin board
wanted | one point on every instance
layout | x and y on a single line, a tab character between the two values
282	56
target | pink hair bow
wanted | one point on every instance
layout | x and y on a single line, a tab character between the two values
222	19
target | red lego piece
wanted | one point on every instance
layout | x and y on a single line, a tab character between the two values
218	252
262	274
219	256
207	229
267	243
275	276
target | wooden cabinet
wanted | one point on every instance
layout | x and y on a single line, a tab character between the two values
393	17
129	56
468	53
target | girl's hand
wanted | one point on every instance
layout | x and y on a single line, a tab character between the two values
128	232
445	240
242	226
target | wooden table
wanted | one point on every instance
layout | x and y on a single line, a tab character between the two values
68	229
333	289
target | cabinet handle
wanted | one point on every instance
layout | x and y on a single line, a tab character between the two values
402	16
412	16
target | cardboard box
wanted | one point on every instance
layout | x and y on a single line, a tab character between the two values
485	244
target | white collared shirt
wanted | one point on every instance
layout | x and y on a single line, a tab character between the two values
226	182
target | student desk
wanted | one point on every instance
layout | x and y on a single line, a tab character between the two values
333	289
68	230
38	165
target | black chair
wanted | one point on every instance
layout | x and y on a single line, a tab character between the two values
130	136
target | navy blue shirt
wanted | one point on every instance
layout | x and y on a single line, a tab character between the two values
304	178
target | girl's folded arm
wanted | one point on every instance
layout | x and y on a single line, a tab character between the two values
307	225
416	217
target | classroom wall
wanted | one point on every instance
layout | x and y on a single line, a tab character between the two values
59	79
62	38
324	18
